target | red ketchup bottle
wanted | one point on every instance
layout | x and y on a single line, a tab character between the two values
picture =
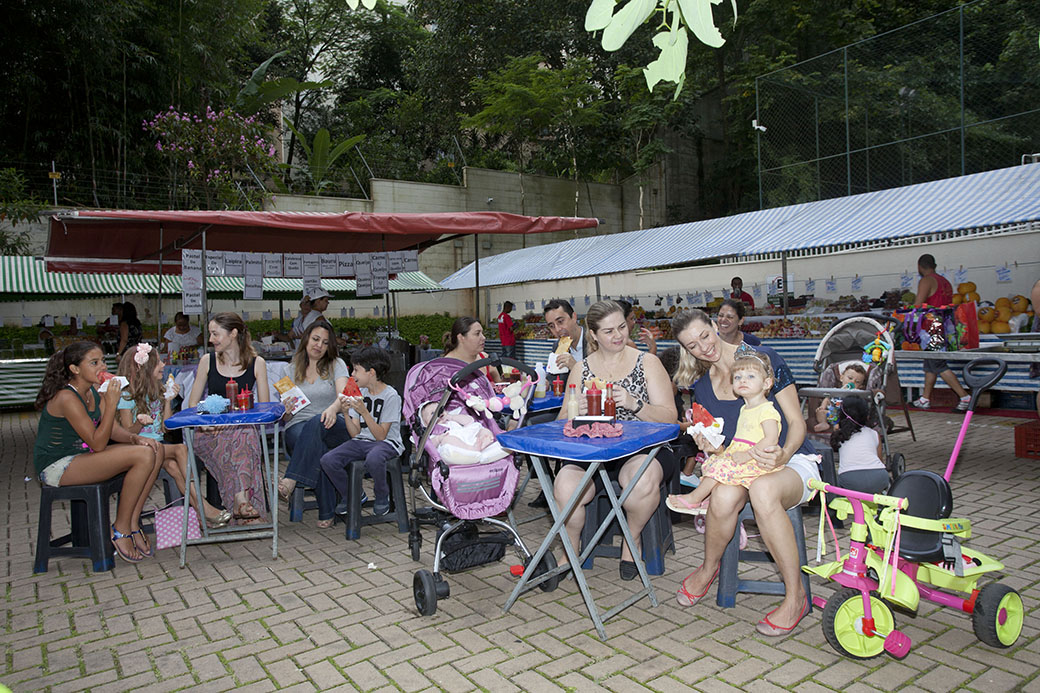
243	400
593	399
557	387
231	392
609	407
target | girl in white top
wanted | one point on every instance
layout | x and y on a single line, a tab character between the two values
859	448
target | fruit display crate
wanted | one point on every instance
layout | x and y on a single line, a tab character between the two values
1027	440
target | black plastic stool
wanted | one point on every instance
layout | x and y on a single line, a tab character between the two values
298	502
656	537
398	506
91	535
730	584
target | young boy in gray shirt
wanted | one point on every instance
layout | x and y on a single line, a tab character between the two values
374	424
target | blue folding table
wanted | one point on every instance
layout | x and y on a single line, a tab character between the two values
546	440
262	414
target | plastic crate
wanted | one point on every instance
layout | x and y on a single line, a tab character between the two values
1027	440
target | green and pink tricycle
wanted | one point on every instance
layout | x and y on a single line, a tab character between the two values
905	547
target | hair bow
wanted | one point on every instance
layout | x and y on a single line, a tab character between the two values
143	350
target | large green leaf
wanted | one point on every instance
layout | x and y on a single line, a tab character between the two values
599	14
625	22
670	66
697	15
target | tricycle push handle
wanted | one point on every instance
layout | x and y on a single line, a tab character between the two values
875	498
979	381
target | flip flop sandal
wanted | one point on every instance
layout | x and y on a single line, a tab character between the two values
116	536
326	524
150	551
680	505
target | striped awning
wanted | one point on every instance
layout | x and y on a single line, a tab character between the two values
991	198
25	276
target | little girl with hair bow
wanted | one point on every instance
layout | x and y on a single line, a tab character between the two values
143	408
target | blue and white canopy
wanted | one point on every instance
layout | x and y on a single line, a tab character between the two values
988	199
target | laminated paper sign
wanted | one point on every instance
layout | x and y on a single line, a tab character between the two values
214	263
191	292
311	285
411	260
395	261
253	287
345	264
191	259
233	264
312	265
329	265
272	264
380	279
253	265
293	265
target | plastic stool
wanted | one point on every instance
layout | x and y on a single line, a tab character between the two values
398	506
730	584
298	502
91	534
656	537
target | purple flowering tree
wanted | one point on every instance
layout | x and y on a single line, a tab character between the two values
213	157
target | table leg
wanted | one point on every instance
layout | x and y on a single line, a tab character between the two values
191	478
271	472
558	529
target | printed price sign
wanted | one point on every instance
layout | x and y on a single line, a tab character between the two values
905	281
810	286
1004	275
960	276
272	264
857	284
832	286
214	263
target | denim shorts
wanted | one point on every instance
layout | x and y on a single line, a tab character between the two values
52	473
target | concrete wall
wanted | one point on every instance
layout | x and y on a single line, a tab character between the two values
879	269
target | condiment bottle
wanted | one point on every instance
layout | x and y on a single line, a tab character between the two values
573	407
243	400
557	387
593	397
539	386
231	392
609	407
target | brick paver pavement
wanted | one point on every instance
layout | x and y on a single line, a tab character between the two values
320	618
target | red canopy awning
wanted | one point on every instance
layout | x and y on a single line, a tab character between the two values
128	241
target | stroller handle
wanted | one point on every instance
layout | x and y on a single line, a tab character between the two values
496	361
979	382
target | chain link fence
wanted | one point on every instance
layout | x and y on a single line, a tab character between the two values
953	94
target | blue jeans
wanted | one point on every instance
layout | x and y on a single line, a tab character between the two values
336	467
306	443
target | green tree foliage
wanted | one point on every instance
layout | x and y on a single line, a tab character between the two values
17	205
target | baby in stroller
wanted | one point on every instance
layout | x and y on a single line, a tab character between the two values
854	377
461	439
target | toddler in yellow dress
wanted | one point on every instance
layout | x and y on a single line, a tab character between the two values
757	426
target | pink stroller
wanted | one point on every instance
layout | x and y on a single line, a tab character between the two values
438	394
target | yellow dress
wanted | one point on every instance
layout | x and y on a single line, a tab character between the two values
722	468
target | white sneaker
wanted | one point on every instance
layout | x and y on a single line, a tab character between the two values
922	403
963	404
689	480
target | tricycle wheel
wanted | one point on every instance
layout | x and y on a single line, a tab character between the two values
424	588
843	624
547	563
998	615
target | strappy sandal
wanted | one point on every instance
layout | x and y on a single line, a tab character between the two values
239	515
146	552
284	492
326	524
691	599
771	630
219	520
116	536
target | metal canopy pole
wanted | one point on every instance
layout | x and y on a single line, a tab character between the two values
205	307
158	312
476	272
783	281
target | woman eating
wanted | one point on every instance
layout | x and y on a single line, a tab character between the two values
641	393
706	362
321	375
232	453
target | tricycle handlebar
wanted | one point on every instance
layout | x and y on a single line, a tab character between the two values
875	498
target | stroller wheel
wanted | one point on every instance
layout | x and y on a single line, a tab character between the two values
547	563
415	545
896	465
998	615
424	588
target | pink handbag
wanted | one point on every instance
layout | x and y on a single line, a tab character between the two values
169	524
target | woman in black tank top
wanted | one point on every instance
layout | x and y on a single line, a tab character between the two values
233	454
